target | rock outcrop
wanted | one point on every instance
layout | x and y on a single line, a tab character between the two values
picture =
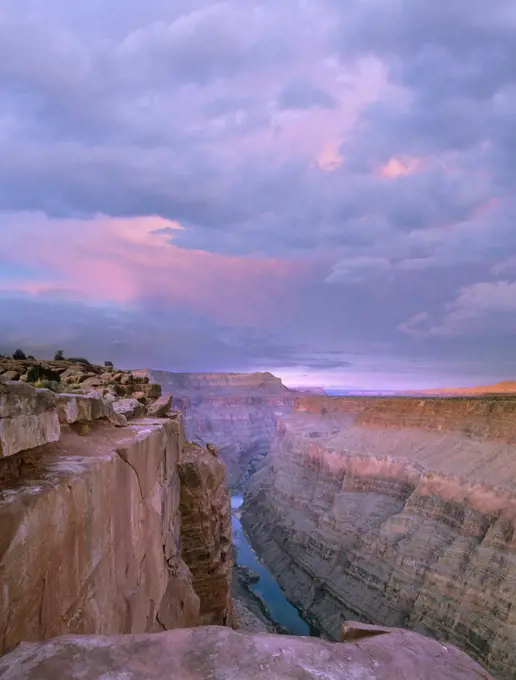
206	530
211	653
235	411
80	377
28	417
396	511
91	524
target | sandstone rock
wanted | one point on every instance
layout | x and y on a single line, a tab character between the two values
150	390
160	408
91	382
213	652
73	408
90	539
28	417
206	531
11	375
130	408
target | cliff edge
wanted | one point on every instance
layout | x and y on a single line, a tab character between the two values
93	510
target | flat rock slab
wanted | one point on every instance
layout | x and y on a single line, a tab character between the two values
217	653
28	417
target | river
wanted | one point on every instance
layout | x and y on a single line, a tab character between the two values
280	609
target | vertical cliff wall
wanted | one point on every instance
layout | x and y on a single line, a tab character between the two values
206	530
398	512
91	525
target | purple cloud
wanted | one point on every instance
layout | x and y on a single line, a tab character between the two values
369	146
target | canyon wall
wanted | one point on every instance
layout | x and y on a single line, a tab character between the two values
396	511
235	411
92	520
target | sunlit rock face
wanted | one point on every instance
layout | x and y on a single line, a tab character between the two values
235	411
28	417
215	652
93	521
396	511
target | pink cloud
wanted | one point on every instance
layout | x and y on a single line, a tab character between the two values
398	167
129	260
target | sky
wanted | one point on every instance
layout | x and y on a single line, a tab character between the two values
320	188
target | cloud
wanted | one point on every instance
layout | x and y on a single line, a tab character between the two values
487	309
219	164
304	95
128	261
356	270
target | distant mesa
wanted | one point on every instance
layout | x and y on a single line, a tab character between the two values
502	387
312	389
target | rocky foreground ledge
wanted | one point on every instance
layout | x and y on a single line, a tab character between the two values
216	653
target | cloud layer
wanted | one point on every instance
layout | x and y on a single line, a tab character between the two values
319	187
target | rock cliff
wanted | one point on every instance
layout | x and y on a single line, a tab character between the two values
206	530
92	518
396	511
235	411
215	653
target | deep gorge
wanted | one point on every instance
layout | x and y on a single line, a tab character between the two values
391	511
114	522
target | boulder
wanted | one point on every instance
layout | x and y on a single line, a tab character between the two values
92	382
28	417
11	375
78	408
217	652
150	390
130	408
160	408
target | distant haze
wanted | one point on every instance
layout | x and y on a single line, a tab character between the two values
322	189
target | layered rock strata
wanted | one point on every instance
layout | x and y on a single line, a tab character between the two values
213	652
396	511
90	527
206	530
235	411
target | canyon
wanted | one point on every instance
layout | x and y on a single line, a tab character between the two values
236	411
116	532
396	511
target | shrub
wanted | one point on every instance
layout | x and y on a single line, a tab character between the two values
59	355
38	373
108	364
48	384
79	360
19	355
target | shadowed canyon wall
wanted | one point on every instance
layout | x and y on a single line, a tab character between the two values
396	511
235	411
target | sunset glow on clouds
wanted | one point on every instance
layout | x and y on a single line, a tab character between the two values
326	189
